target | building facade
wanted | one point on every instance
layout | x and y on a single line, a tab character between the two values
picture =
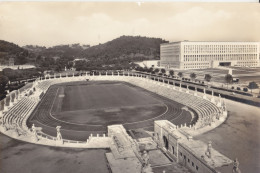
196	155
149	63
197	55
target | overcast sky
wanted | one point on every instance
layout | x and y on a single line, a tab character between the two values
52	23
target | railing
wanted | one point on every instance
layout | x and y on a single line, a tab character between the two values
119	74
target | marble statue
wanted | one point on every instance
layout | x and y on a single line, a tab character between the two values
146	167
4	127
16	132
208	152
235	167
35	135
59	137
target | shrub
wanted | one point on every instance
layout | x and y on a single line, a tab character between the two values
232	87
238	88
245	89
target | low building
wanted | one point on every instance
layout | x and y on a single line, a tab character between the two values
193	154
11	62
149	63
199	55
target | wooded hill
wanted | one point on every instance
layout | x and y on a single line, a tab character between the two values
122	50
127	48
11	50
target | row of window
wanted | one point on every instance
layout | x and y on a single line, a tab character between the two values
195	65
247	64
189	162
219	48
220	57
170	58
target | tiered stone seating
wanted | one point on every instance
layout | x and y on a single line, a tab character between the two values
204	108
16	114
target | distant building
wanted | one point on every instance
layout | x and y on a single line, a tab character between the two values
196	55
11	62
15	67
149	63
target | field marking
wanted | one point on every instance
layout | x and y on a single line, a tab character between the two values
119	107
151	118
126	84
67	129
161	102
66	121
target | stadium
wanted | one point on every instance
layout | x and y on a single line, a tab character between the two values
103	109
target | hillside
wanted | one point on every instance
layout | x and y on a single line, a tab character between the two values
11	50
73	50
118	53
127	48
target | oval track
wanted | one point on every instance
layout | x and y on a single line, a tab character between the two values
41	117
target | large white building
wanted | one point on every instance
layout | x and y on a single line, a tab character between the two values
196	55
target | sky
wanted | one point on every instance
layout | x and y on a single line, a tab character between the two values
54	23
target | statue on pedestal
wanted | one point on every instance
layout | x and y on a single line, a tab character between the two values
16	132
204	94
59	137
35	135
208	152
4	126
146	167
235	166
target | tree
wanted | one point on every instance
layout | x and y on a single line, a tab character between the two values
156	70
245	89
228	79
163	71
3	82
171	72
193	76
252	85
180	74
150	70
207	77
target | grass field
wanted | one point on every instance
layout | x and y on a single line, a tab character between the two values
105	103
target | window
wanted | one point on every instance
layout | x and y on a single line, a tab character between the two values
181	153
189	160
192	164
197	168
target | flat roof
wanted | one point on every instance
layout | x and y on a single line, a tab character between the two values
212	42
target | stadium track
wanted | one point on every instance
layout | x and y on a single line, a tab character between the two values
41	117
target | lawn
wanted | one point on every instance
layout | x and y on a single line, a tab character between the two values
105	103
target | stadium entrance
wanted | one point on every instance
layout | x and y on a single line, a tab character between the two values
224	63
165	140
